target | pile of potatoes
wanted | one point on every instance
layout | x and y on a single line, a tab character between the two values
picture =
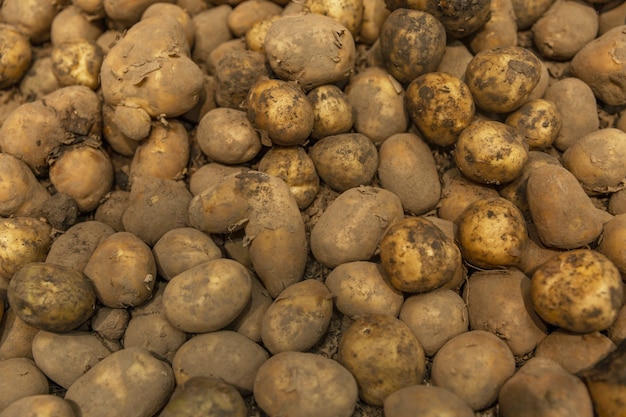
316	208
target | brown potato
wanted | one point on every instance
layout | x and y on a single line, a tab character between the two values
77	62
177	11
527	12
250	320
246	13
500	31
111	210
211	27
425	401
32	18
205	396
21	378
332	109
256	33
40	405
458	192
16	336
375	12
15	53
573	351
25	240
539	121
613	240
22	194
110	323
236	71
580	291
347	12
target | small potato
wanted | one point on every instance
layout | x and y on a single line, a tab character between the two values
21	379
25	240
542	388
353	224
176	10
131	122
498	302
41	405
63	303
205	396
15	55
111	210
309	306
293	165
500	31
375	12
181	249
71	24
302	384
473	365
347	12
39	79
236	70
16	336
77	62
332	109
490	152
140	383
425	401
211	30
256	33
246	13
250	320
222	354
281	111
417	256
580	291
378	102
383	355
360	288
407	168
441	105
492	233
598	160
539	121
613	240
311	49
458	192
527	12
110	323
455	59
435	317
122	271
226	136
208	296
574	352
345	161
412	43
501	79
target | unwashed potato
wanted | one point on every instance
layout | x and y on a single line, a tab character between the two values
176	10
246	13
543	388
110	323
473	365
527	12
255	35
139	382
580	291
32	18
205	396
111	209
539	121
612	241
207	297
353	224
25	240
383	355
20	379
16	55
309	306
77	62
375	12
425	401
41	405
65	302
360	288
500	31
250	320
211	27
332	109
72	24
16	336
303	384
236	71
458	192
575	352
347	12
222	354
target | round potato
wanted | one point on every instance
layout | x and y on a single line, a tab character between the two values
24	240
205	396
207	297
304	384
51	297
77	62
425	401
458	192
580	290
15	55
347	12
539	122
41	405
332	109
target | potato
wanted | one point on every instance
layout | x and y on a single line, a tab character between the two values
360	288
123	15
16	55
250	320
345	160
353	224
181	249
77	62
375	12
473	365
205	396
543	388
246	13
130	122
577	105
611	242
22	195
122	271
309	305
208	296
611	17
501	79
236	72
500	31
490	152
597	160
21	378
617	331
16	336
111	209
41	405
66	357
306	385
435	317
211	27
255	35
293	165
177	11
332	111
539	121
412	43
417	256
594	64
458	192
492	233
110	323
498	302
580	291
74	247
426	401
407	168
383	355
527	12
156	206
441	105
39	79
347	12
264	205
311	49
32	18
140	383
83	172
164	153
222	354
65	302
561	211
574	352
378	102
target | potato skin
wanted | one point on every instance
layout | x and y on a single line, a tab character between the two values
425	401
15	55
25	240
39	405
205	396
539	121
21	378
64	302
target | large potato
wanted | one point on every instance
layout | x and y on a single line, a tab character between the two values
301	384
